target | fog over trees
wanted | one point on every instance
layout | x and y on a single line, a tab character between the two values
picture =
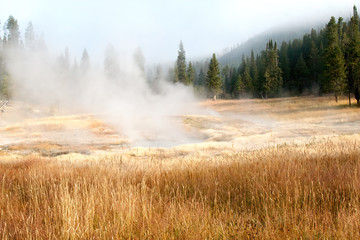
325	61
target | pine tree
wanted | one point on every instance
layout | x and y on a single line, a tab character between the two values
225	76
341	26
261	66
295	49
314	63
302	74
321	77
273	78
181	65
234	76
352	57
239	87
213	79
285	64
334	60
171	75
176	74
306	47
247	80
190	75
64	61
5	87
30	37
245	76
201	78
13	33
85	61
253	70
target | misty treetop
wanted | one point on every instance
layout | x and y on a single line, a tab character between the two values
12	33
183	73
181	65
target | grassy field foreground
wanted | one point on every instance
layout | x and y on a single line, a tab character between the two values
307	191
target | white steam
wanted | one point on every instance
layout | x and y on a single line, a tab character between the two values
119	93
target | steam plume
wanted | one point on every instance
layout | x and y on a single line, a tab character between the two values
119	93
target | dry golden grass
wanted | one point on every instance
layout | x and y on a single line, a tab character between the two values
273	193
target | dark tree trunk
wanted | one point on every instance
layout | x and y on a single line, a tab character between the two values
350	99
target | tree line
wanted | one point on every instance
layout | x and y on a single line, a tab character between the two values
322	62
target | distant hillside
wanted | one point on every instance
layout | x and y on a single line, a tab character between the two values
258	43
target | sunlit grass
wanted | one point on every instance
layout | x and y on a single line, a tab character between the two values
307	191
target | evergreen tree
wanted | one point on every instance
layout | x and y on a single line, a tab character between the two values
322	79
295	49
313	35
334	60
246	79
273	78
314	63
190	75
241	68
176	74
5	87
234	76
285	64
253	71
302	74
171	75
30	37
13	33
64	61
239	87
181	65
341	25
85	61
261	65
201	78
213	79
352	57
306	47
225	76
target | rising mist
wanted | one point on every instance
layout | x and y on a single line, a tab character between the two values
118	93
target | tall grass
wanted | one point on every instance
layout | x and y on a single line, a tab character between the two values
271	193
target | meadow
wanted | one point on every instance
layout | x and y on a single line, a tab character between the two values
264	169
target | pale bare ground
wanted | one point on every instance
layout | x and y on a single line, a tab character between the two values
229	126
261	123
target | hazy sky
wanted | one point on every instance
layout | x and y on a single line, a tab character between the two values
157	26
